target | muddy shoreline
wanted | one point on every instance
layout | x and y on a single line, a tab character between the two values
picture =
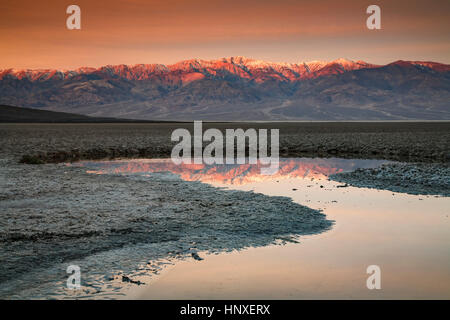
399	141
55	215
411	178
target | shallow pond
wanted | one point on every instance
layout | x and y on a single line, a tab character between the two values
407	236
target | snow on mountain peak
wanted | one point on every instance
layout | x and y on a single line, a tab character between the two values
194	69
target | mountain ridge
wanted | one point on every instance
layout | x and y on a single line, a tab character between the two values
190	65
195	69
12	114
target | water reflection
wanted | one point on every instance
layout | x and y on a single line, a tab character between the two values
406	235
237	174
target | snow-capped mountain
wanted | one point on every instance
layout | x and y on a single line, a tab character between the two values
246	68
238	88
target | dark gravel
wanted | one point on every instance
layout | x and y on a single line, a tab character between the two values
401	141
412	178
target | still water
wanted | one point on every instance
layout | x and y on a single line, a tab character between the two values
407	236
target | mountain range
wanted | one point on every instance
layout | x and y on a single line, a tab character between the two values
238	88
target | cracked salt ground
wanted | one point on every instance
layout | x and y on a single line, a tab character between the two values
55	216
419	178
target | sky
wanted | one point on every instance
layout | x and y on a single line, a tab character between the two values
33	34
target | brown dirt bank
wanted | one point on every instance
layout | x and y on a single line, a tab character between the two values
51	143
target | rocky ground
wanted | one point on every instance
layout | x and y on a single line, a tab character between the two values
401	141
418	178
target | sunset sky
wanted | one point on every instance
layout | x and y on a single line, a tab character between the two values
33	34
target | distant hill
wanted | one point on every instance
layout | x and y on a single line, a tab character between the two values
239	88
18	114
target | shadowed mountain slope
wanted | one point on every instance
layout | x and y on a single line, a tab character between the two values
239	88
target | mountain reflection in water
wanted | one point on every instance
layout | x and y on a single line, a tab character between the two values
234	174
